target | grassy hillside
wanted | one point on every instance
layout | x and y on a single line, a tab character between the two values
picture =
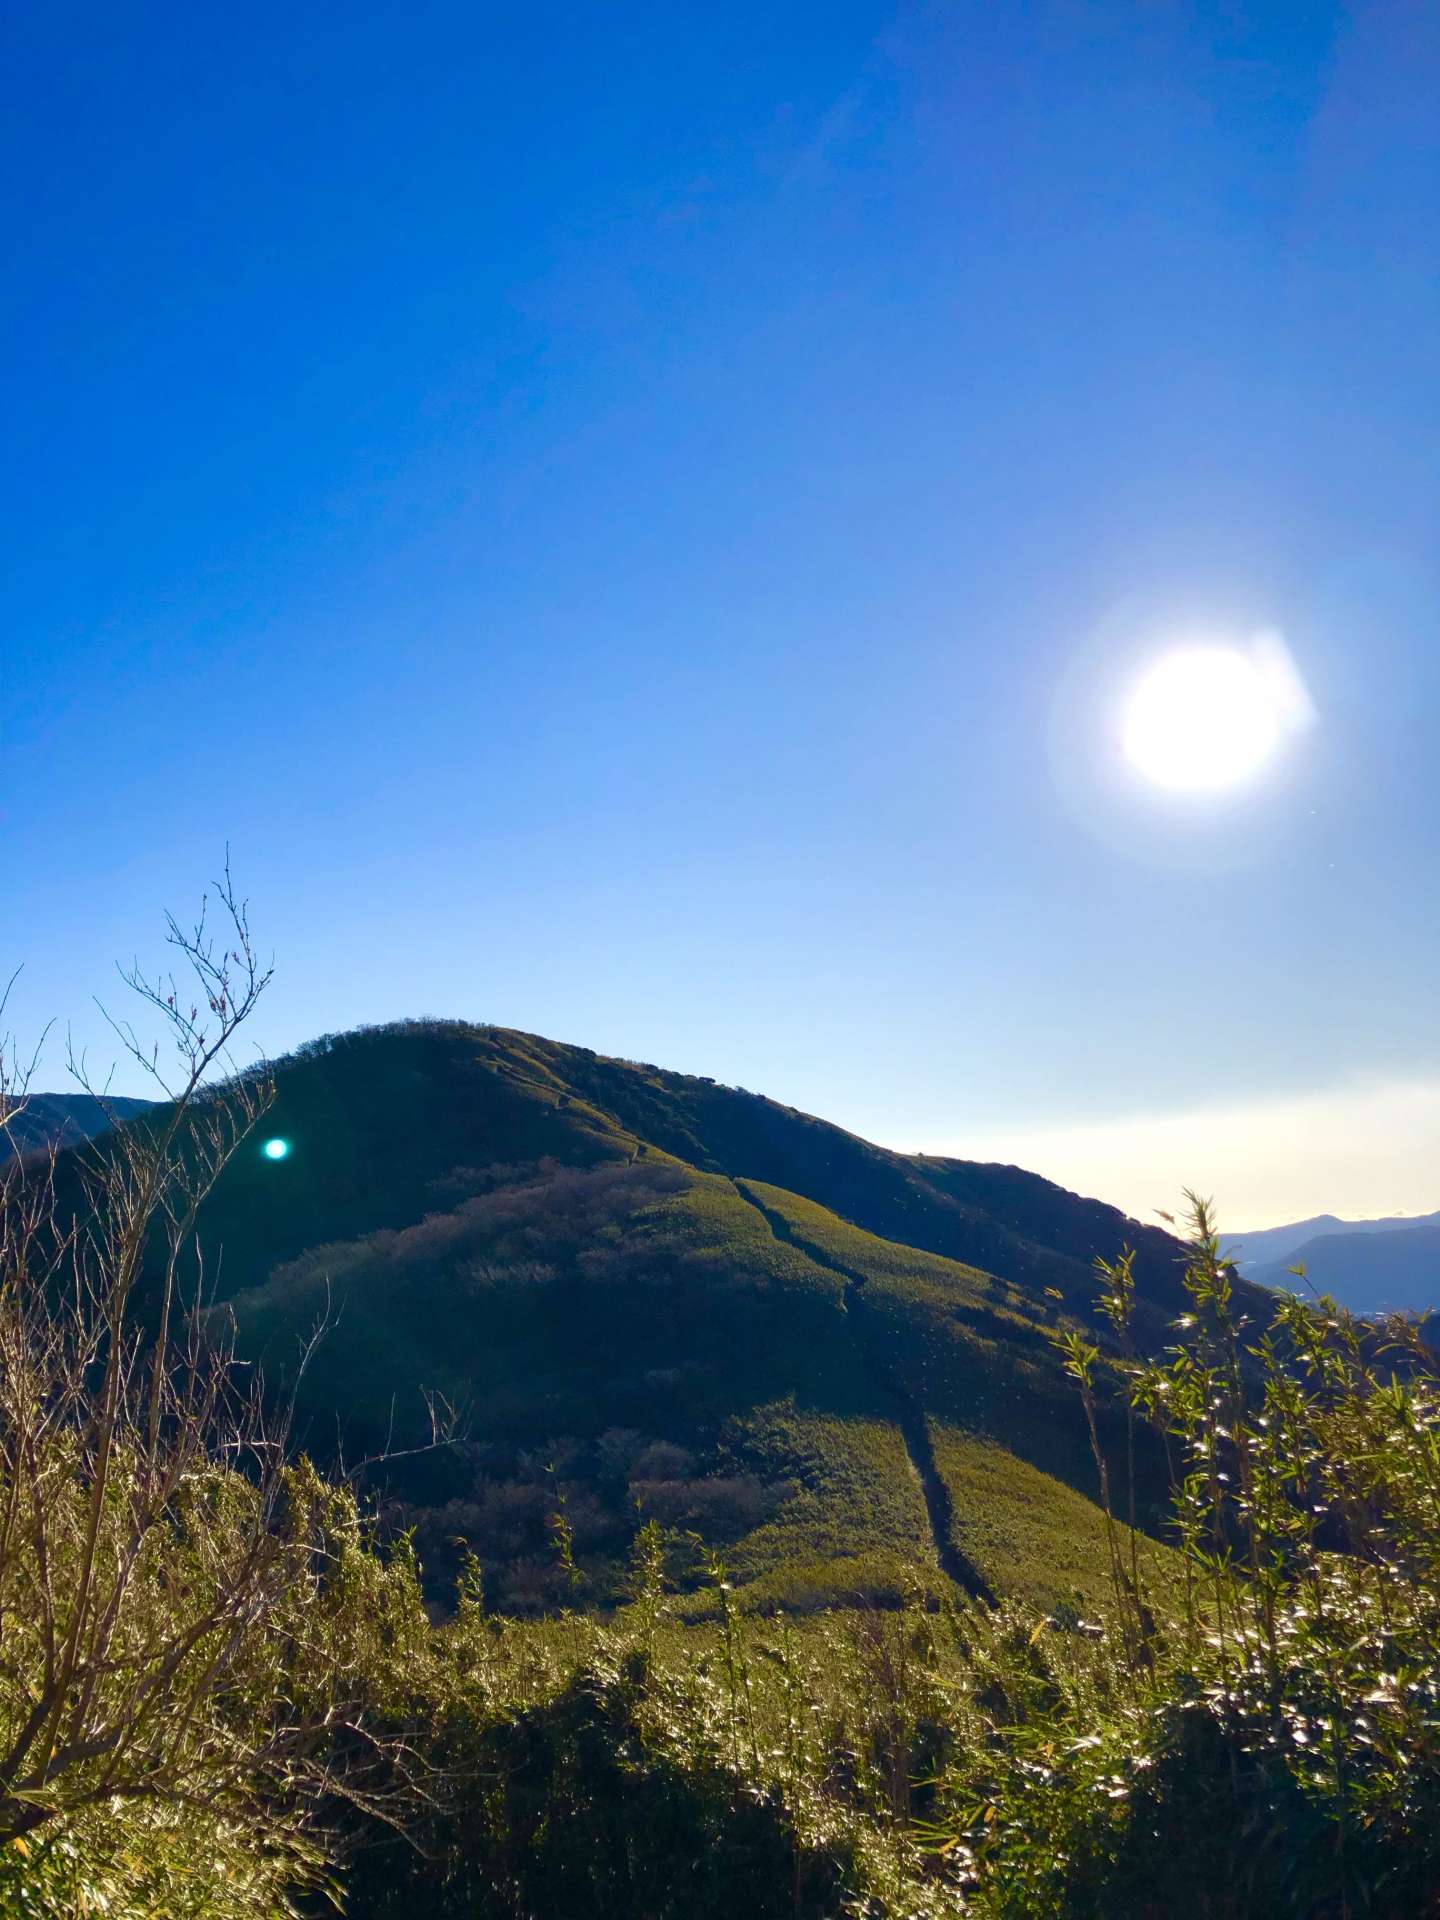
648	1296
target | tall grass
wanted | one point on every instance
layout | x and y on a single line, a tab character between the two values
1245	1724
1270	1743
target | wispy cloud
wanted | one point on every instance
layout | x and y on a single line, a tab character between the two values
1358	1149
839	124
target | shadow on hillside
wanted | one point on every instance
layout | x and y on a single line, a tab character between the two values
561	1813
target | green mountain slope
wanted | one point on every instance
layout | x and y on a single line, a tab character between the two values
650	1296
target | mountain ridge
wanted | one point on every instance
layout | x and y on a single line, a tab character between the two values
1395	1271
63	1120
1269	1245
652	1294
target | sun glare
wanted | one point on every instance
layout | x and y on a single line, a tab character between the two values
1207	717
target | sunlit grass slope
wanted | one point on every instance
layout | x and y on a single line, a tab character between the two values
1032	1537
646	1296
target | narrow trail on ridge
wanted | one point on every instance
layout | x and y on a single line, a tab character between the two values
909	1414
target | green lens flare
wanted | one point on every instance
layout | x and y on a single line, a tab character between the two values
276	1149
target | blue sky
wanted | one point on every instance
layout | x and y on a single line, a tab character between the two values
634	522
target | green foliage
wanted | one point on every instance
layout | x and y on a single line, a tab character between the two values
746	1404
675	1345
203	1822
582	1255
1271	1746
1241	1726
849	1491
1030	1535
142	1860
961	1346
817	1724
749	1766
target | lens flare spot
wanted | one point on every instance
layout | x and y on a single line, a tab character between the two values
276	1149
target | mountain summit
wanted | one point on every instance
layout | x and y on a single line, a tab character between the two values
649	1295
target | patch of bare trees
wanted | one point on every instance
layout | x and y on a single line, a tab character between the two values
185	1615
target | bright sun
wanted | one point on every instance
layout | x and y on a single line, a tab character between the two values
1203	718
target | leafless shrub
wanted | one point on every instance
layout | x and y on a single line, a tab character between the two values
185	1617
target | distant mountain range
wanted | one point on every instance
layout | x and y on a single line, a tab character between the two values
62	1120
1369	1265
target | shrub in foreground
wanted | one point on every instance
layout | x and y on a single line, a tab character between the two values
1272	1746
